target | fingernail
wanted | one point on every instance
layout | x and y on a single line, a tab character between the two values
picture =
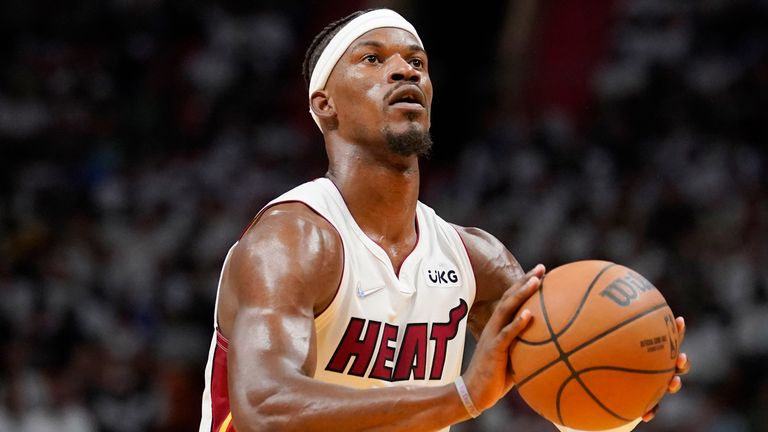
675	385
533	281
525	314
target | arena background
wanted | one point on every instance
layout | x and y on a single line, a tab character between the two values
138	137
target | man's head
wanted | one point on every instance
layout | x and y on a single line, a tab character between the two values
368	81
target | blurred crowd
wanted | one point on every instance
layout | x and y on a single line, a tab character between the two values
138	137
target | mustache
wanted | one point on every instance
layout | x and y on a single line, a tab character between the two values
388	95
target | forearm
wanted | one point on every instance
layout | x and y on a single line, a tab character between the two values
306	404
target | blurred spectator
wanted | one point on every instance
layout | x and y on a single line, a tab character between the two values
137	138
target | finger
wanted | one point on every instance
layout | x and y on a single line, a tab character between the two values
538	270
513	299
682	365
680	323
511	330
675	385
650	414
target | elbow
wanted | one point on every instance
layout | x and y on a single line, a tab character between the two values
265	410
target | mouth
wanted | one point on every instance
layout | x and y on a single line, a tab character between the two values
408	97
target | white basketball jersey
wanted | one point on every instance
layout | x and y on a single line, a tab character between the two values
382	328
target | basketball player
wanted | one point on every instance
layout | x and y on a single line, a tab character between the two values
345	303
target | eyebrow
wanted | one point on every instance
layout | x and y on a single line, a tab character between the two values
377	44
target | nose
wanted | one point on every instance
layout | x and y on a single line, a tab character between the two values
403	71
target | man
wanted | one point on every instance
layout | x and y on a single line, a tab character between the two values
344	304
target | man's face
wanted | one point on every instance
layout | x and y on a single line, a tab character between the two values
381	90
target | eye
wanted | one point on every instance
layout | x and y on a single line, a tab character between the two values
371	58
417	63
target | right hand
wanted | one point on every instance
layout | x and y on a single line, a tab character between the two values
488	376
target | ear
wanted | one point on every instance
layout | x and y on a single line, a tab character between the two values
322	105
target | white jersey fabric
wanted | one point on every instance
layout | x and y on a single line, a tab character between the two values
383	328
360	336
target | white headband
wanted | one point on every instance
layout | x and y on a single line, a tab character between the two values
338	45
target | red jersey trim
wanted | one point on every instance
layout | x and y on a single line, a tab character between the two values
221	341
220	408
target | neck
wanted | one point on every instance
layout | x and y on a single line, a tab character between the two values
380	191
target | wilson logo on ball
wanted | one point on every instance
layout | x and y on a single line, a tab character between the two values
623	291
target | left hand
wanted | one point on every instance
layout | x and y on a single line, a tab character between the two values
682	366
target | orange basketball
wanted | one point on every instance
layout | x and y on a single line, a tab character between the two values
600	350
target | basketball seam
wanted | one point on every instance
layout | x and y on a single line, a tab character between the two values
575	314
589	392
564	357
525	341
576	376
535	374
623	369
589	342
533	343
610	330
584	299
628	370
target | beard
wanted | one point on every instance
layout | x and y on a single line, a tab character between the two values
411	142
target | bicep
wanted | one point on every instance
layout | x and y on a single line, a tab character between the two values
283	271
269	347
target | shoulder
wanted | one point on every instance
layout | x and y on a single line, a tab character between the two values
289	231
289	255
495	267
478	239
484	248
289	219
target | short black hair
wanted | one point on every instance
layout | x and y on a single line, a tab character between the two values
321	41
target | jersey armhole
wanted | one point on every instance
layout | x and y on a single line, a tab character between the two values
471	270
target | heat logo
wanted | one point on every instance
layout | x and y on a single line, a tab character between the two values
407	361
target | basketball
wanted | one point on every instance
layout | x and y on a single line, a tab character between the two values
600	350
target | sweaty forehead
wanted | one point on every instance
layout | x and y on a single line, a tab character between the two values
386	37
